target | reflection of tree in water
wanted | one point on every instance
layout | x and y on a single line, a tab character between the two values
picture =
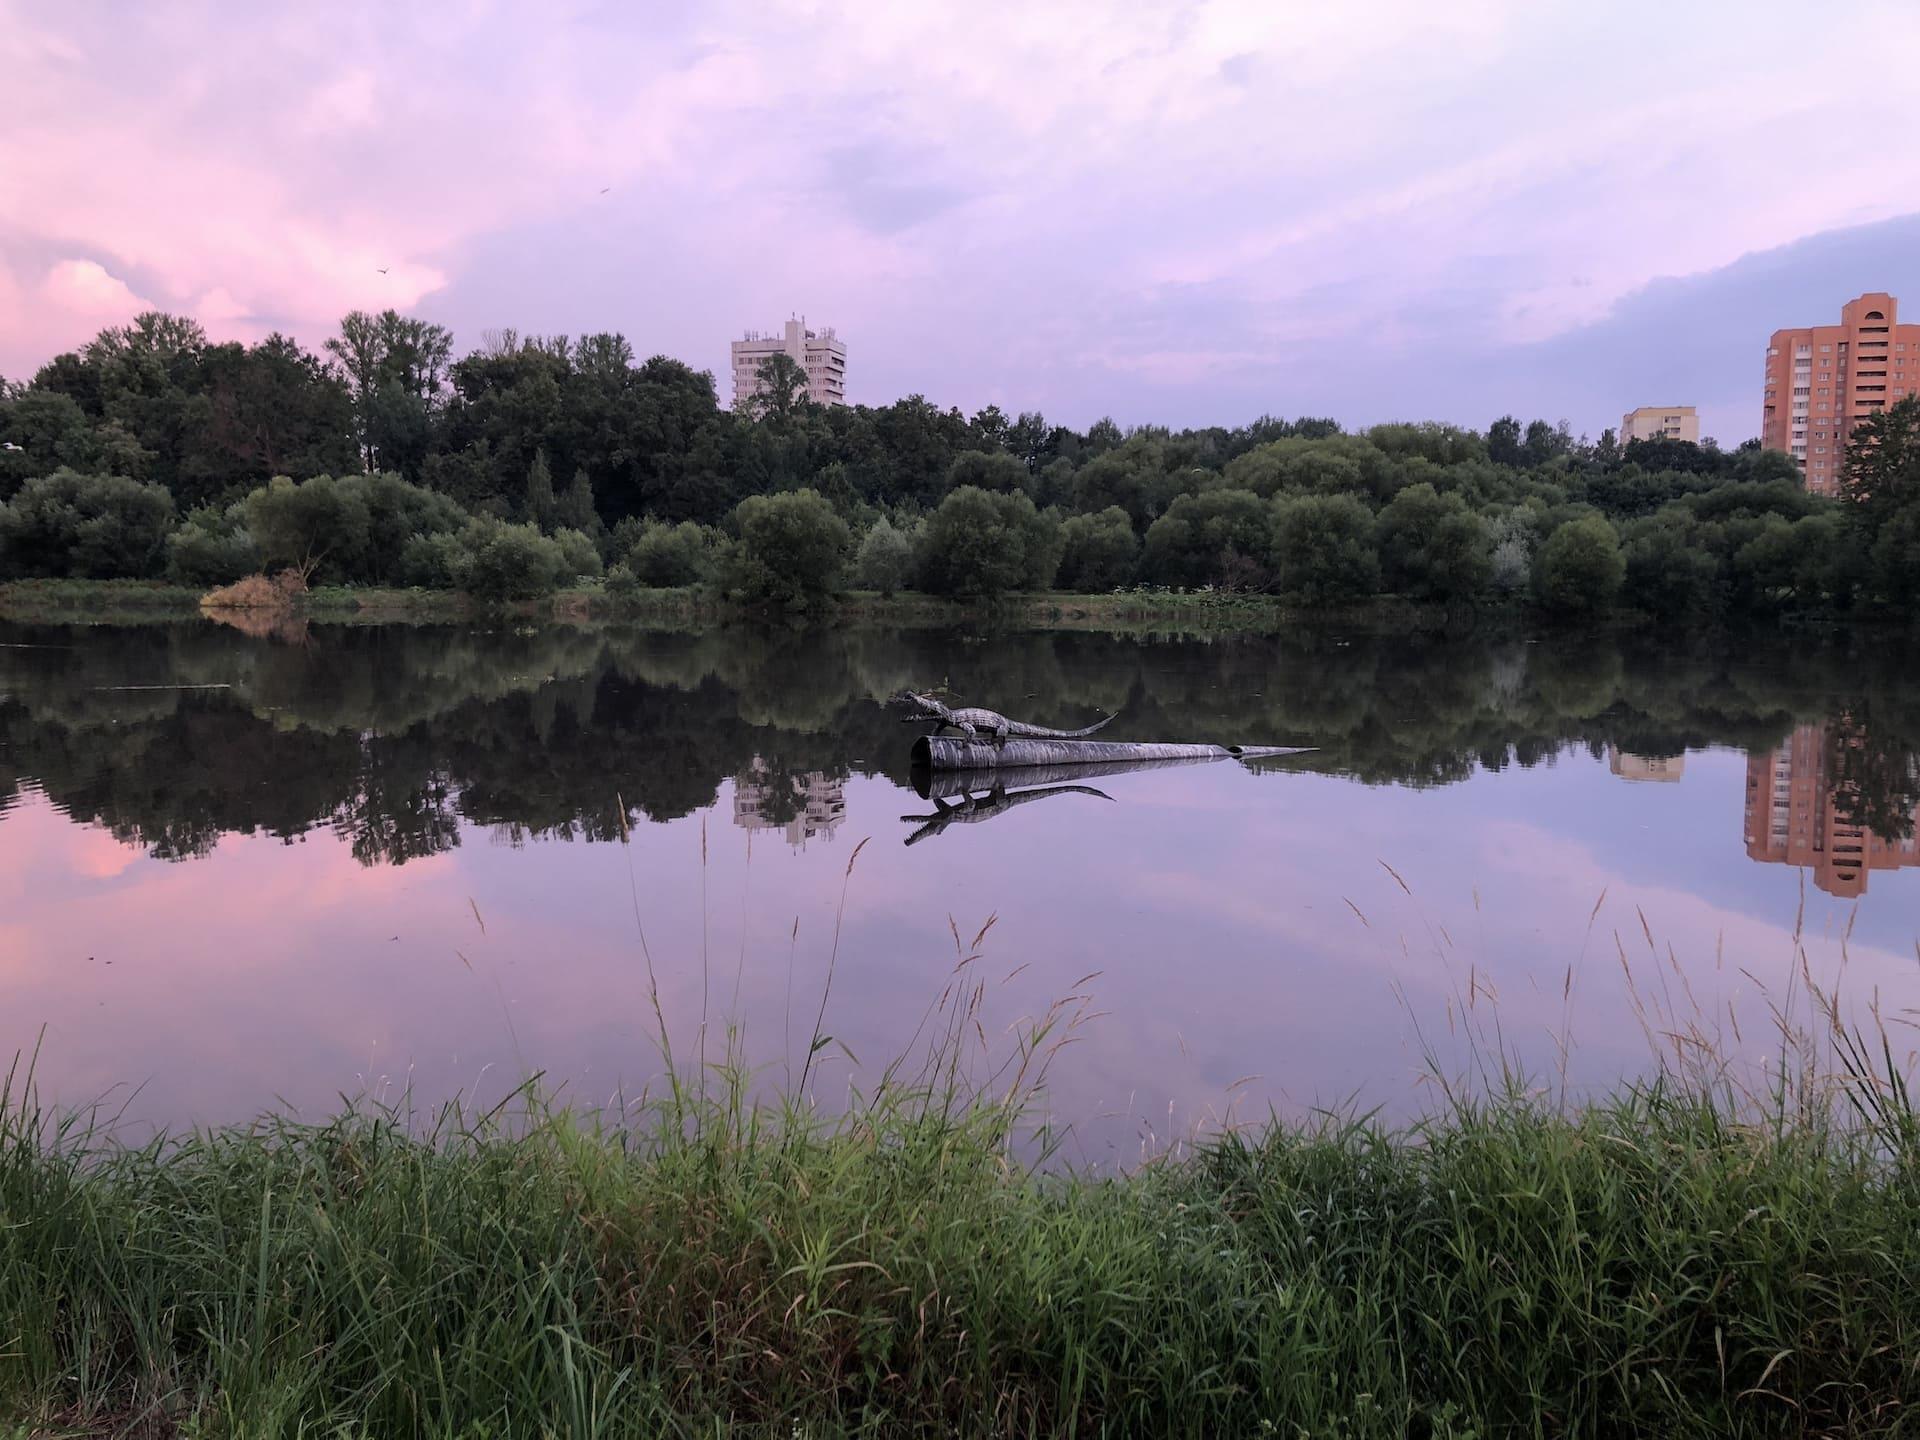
396	736
1876	775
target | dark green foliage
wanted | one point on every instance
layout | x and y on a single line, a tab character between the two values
1579	570
212	547
510	562
885	558
1000	472
1220	537
354	529
787	549
980	544
1323	547
540	508
1099	552
661	555
1432	547
637	442
94	527
580	557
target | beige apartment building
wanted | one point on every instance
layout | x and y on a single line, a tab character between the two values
821	353
1823	380
1661	422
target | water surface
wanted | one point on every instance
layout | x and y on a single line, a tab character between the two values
236	871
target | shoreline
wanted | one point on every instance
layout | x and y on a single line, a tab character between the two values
1659	1262
140	601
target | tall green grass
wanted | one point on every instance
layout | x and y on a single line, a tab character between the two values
1652	1265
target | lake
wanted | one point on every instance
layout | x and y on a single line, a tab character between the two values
239	871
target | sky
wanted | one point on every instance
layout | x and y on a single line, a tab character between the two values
1190	212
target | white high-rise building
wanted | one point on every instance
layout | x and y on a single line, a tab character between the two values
821	353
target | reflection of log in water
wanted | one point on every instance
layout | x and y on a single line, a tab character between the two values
996	801
944	784
947	752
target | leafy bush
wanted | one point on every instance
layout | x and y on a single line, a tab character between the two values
580	557
434	562
1098	552
622	583
980	543
354	529
1433	547
663	556
1580	568
92	527
788	548
211	547
1323	547
1220	537
885	558
510	562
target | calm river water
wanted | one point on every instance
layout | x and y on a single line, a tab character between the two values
241	871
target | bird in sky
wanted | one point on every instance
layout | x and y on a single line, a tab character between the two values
605	188
381	268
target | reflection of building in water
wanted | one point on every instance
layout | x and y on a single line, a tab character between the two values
1794	816
1629	766
817	804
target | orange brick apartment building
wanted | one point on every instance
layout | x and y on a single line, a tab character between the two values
1794	814
1824	380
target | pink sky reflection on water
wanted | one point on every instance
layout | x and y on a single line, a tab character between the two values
1241	926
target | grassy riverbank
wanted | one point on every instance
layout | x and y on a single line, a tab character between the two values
1201	612
1648	1266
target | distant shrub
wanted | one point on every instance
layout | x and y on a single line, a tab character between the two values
981	543
354	529
1323	546
885	558
1218	537
1580	569
622	583
663	556
211	547
434	562
92	527
788	549
580	557
1098	551
510	562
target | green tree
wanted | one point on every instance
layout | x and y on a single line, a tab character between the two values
510	562
1503	442
1432	547
541	508
779	389
981	544
212	547
788	549
1324	549
1580	569
1221	537
662	556
575	509
885	558
997	471
93	527
1099	552
320	523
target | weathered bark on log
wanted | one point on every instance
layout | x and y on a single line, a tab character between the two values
933	784
949	752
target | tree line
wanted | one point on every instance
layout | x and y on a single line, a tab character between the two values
539	461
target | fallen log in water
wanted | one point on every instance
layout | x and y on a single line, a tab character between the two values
953	752
934	784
